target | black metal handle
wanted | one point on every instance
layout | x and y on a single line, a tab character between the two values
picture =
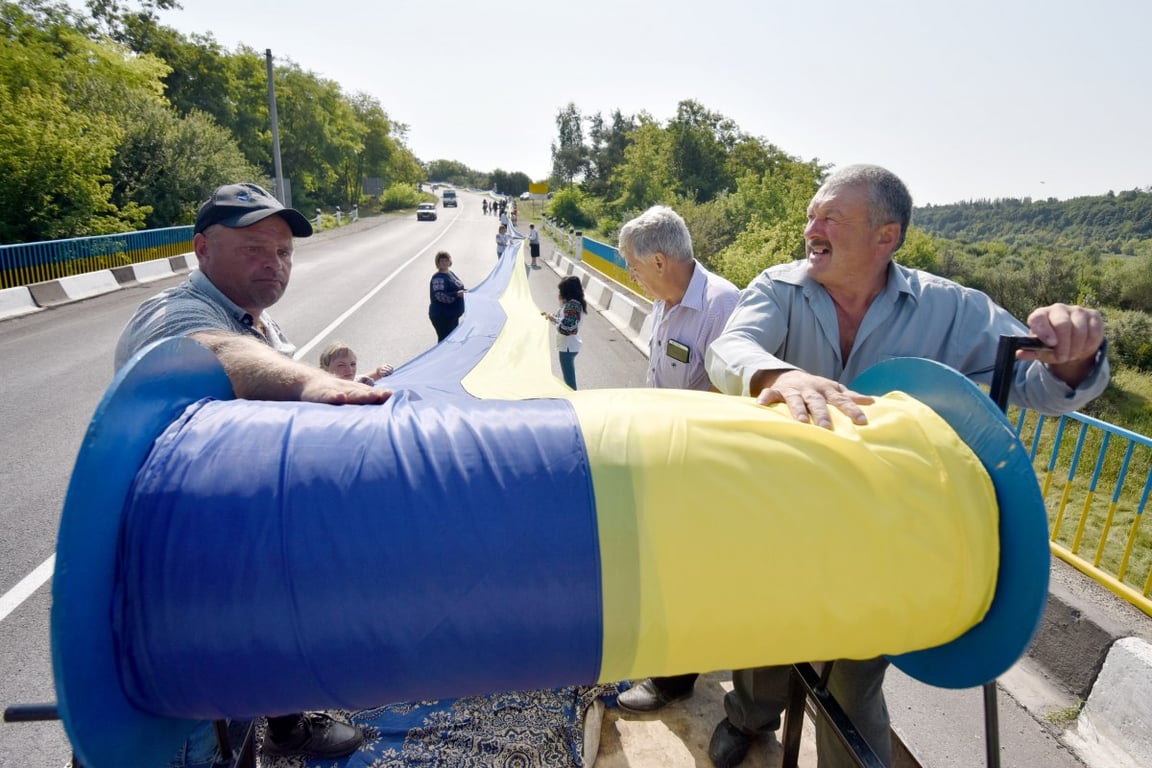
31	713
1006	364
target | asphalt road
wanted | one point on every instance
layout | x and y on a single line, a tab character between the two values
365	284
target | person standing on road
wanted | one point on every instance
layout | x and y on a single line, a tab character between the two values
534	244
690	309
243	240
445	297
502	240
803	329
567	319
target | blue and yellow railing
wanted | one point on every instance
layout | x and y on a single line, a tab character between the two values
28	263
1095	515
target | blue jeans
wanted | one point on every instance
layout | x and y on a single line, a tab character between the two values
200	750
568	367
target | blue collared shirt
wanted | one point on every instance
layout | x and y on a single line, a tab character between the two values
193	306
786	320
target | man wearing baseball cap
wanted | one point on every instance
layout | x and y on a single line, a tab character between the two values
243	241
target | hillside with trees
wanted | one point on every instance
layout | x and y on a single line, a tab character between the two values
1116	223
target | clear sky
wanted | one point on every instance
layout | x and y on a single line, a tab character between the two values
964	100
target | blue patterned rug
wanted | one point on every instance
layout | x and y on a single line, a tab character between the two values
520	729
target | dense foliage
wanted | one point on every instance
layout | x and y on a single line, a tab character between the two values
111	122
1113	223
460	175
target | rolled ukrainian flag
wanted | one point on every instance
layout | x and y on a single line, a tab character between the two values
488	529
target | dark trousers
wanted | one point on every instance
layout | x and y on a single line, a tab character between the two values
759	695
444	326
676	684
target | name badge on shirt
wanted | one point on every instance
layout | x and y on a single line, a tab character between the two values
677	351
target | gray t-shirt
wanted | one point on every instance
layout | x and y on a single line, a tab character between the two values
193	306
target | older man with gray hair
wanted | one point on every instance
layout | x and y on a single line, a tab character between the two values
691	307
805	329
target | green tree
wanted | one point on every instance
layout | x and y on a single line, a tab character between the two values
700	142
606	153
404	167
919	251
572	207
757	247
171	163
379	148
568	151
64	103
451	171
120	20
54	163
644	178
514	183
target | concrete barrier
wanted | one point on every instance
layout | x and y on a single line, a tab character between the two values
1114	729
16	301
145	272
157	269
184	262
50	293
77	287
598	293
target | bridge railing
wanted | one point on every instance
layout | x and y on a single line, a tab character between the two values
1095	478
27	263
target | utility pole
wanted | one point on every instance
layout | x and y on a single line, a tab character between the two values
280	192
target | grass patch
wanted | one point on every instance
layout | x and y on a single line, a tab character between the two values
1064	717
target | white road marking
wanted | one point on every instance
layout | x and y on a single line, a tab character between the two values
27	586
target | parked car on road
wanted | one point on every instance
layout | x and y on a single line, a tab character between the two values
426	212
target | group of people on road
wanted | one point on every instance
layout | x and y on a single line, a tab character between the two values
498	207
795	335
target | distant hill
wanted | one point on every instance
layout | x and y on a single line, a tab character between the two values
1112	223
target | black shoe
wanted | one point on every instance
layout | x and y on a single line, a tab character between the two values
729	745
649	696
317	735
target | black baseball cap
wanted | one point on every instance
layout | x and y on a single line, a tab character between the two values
242	205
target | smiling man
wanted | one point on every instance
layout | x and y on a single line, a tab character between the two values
802	330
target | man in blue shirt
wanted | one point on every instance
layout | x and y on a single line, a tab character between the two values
802	330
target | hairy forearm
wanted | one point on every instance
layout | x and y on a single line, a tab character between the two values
257	371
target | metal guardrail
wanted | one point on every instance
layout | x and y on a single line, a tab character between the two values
27	263
1099	534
